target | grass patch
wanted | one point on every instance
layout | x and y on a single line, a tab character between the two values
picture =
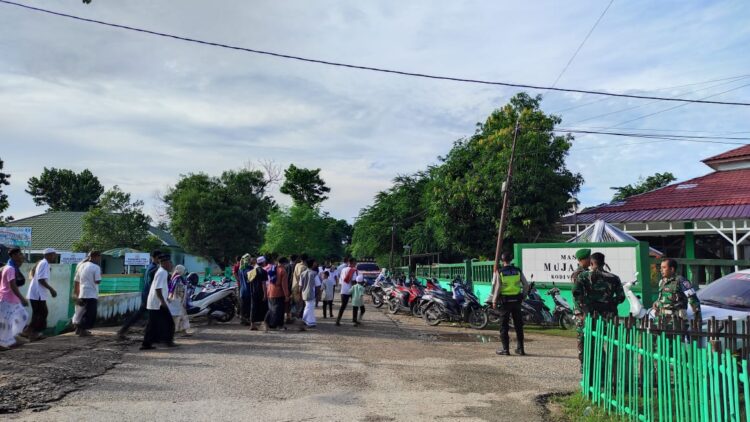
550	331
576	408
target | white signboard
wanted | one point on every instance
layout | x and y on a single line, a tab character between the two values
15	236
557	264
72	257
139	259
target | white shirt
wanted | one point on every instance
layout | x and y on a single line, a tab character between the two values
89	277
36	290
337	272
329	286
346	287
161	279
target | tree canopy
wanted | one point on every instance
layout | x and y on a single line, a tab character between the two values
305	186
658	180
117	222
65	190
454	207
219	217
303	229
4	204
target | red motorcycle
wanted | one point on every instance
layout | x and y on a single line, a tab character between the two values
406	298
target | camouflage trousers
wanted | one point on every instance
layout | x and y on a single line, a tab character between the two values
580	318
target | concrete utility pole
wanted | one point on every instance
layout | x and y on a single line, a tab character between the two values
506	195
393	243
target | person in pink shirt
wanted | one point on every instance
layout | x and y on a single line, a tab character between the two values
13	315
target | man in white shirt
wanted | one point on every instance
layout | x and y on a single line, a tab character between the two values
347	278
39	290
86	290
160	327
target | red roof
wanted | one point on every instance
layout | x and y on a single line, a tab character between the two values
740	152
719	189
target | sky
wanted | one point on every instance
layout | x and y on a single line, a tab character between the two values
139	110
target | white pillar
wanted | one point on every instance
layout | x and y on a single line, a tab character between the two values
735	244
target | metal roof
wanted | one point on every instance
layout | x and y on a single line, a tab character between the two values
722	212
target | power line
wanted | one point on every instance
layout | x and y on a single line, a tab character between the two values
370	68
580	46
730	78
671	137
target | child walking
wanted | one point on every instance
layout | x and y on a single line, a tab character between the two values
329	289
358	306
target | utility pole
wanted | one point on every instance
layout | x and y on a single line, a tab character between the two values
393	243
506	195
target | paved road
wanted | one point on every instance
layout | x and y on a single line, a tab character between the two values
388	369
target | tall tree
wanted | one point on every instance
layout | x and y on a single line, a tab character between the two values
117	222
303	229
658	180
4	204
219	217
305	186
465	191
401	209
65	190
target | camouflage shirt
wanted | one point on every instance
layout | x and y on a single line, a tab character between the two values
597	290
675	293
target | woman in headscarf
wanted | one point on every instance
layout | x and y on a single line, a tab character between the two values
13	315
256	282
246	264
177	297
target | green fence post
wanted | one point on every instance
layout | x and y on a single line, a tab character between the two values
468	270
689	248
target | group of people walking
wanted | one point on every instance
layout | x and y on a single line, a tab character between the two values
14	318
275	292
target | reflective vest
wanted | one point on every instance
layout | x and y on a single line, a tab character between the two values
511	282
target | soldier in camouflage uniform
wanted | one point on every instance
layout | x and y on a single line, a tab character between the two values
584	262
675	293
597	293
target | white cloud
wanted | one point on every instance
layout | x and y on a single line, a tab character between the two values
139	110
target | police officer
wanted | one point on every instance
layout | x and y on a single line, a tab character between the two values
584	262
597	293
509	288
675	292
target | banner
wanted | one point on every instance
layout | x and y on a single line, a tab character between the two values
70	258
557	263
137	259
15	237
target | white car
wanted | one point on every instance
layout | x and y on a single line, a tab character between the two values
725	297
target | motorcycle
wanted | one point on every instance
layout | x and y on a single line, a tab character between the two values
406	299
563	312
463	306
216	301
381	291
535	311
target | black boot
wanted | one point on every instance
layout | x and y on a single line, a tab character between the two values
503	352
520	351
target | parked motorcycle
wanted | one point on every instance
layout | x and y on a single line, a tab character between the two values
216	301
463	306
406	299
381	291
535	311
563	312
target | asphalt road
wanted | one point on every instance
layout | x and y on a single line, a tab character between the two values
390	368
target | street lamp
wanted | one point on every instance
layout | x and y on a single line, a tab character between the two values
573	201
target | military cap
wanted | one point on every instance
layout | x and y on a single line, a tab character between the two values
583	254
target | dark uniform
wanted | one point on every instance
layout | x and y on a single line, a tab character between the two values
508	291
675	293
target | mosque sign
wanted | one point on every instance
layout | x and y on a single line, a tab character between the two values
15	237
555	262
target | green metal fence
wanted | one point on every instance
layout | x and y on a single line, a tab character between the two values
644	374
121	284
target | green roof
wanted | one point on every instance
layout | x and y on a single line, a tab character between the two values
60	229
55	229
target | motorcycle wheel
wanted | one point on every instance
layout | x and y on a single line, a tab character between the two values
492	316
567	322
478	319
376	300
416	310
393	306
432	316
229	315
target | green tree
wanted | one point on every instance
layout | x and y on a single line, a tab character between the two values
65	190
302	229
658	180
304	186
402	209
465	191
4	204
219	217
117	222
